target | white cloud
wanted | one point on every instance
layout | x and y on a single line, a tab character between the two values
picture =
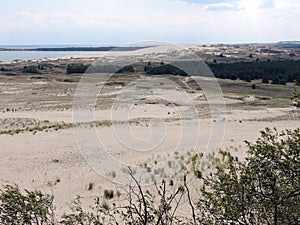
166	20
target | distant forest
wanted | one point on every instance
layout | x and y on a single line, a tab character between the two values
288	44
164	69
277	72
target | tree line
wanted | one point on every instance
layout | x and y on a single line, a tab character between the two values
276	72
149	69
164	69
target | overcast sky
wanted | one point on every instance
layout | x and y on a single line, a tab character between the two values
117	22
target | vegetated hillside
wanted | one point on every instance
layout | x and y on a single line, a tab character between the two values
278	72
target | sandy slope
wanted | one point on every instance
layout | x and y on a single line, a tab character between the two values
51	161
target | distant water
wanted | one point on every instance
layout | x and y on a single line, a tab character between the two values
8	56
42	46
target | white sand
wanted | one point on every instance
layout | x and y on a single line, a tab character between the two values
29	160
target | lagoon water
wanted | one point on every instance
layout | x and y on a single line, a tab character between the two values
8	56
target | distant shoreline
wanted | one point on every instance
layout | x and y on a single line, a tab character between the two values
74	49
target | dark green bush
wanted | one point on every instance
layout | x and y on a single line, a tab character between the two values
30	69
126	69
108	194
77	68
164	69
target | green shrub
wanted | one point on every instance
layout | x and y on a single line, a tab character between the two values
30	69
90	186
126	69
77	68
198	174
165	69
33	207
108	194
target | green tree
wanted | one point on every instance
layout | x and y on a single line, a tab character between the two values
263	189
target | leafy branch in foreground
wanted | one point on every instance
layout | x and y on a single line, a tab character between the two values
33	207
264	189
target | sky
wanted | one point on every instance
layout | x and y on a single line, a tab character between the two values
122	22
